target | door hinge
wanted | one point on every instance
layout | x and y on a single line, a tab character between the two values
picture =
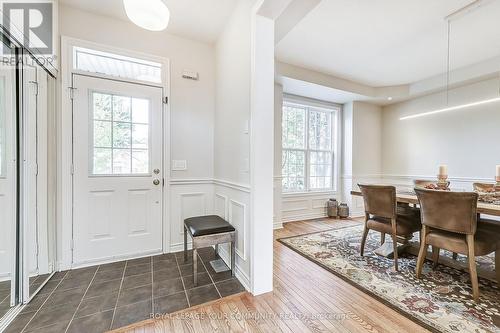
71	92
72	244
163	182
165	100
72	169
36	169
35	84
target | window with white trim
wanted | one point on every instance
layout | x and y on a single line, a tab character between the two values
308	142
120	141
111	64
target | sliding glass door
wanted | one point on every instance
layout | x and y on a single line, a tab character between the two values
8	179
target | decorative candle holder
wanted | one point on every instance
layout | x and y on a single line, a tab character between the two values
443	182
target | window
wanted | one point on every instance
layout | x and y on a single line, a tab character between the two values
116	65
308	139
120	135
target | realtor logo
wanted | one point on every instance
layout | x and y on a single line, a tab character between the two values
30	23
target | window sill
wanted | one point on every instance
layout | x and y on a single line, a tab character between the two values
309	193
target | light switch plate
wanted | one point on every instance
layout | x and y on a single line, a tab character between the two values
179	165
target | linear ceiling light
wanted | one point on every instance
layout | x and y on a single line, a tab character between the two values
148	14
452	108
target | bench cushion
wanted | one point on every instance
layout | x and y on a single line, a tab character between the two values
207	225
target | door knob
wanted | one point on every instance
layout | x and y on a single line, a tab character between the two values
156	182
156	171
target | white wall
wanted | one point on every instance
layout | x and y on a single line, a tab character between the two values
466	140
232	142
362	150
231	139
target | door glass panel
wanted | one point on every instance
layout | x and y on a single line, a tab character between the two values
121	135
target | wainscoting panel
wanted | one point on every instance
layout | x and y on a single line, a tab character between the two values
187	199
237	217
221	206
296	207
237	200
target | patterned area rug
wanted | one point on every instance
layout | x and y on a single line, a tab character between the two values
441	301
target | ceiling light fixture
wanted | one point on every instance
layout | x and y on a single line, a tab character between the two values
460	12
452	108
148	14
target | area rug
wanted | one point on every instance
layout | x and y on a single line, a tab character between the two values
441	301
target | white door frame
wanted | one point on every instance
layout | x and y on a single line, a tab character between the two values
65	138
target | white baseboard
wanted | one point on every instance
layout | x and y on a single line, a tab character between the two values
300	217
238	272
277	225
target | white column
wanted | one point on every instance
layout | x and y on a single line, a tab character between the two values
261	154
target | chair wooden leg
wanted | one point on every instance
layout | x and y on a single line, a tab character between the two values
363	240
382	238
395	243
497	265
395	248
455	256
472	267
435	256
422	252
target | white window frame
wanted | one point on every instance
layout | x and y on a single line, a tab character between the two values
91	147
335	110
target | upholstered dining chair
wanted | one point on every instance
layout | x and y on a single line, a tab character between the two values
449	221
381	215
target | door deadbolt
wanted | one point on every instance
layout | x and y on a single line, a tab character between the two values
156	171
156	182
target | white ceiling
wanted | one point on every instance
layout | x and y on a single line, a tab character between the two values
201	20
319	92
391	42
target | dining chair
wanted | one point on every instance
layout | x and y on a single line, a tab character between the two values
482	189
381	215
449	221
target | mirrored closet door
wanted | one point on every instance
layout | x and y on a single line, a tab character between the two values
39	172
8	179
27	178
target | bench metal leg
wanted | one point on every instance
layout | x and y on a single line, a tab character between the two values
185	245
195	266
233	257
216	250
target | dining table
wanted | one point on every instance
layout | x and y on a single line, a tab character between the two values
408	195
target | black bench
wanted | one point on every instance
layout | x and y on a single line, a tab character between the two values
208	231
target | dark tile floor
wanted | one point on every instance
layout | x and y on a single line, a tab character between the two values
4	297
99	298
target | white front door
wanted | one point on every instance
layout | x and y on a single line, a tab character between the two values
117	161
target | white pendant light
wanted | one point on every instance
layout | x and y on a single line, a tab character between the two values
148	14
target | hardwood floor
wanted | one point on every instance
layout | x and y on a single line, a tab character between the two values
306	298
